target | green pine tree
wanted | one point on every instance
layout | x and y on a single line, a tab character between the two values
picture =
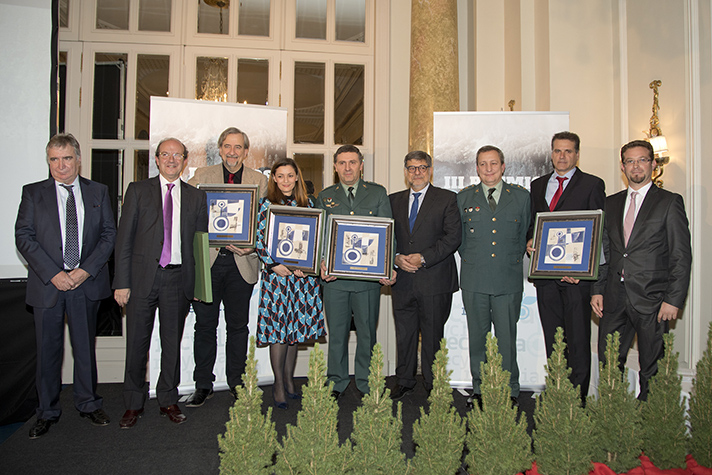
250	440
615	415
664	431
312	446
377	434
701	408
498	444
563	429
439	436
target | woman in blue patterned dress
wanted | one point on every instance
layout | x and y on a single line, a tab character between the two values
290	310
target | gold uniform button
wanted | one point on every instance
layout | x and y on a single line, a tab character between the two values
351	212
494	243
494	231
472	230
494	219
493	255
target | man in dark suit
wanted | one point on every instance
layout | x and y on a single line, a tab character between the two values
495	220
234	273
644	282
65	231
428	232
346	297
155	268
566	303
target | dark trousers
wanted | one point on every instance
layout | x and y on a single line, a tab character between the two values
339	306
568	306
416	313
230	288
49	330
628	322
167	295
483	311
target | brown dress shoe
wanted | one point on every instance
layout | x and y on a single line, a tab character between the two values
130	418
174	414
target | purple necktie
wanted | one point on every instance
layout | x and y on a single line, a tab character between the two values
167	228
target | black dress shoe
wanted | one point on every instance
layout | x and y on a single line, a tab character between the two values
335	395
471	401
199	397
130	418
173	413
400	391
98	417
41	427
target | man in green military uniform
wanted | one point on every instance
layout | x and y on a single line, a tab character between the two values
344	297
495	219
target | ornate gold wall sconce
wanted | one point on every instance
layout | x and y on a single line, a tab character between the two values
656	137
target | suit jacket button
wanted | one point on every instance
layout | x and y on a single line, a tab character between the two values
410	242
625	255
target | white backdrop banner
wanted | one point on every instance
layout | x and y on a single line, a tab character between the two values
525	140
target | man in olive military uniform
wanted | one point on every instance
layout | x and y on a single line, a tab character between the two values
495	220
344	297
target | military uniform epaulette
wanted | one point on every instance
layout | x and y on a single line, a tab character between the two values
468	187
514	185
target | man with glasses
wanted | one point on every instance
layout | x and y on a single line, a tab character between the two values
234	273
646	242
428	232
155	268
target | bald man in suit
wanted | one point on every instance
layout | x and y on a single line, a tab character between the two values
645	280
155	268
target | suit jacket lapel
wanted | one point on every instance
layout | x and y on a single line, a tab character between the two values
427	203
644	213
49	196
541	198
569	188
614	216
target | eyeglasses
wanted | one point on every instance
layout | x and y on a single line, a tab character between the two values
420	168
177	156
640	161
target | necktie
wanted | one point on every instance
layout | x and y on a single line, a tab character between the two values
231	178
629	220
413	210
71	231
559	191
490	198
167	228
351	195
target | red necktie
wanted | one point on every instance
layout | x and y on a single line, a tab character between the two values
231	178
559	191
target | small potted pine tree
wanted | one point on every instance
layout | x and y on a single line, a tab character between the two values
439	435
563	429
250	440
700	413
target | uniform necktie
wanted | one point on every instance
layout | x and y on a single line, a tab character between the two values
351	195
490	198
167	228
71	231
559	191
413	211
629	220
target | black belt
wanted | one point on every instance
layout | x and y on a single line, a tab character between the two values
172	266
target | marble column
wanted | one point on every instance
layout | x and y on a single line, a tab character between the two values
433	67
